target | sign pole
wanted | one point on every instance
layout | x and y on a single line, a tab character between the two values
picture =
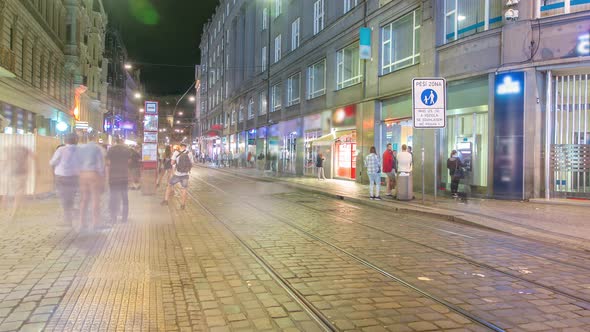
423	187
435	164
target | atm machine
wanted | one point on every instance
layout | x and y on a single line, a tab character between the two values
469	151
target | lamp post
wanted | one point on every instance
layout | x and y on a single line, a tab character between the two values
268	88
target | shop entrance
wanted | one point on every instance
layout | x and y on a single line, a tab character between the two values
345	156
397	132
570	132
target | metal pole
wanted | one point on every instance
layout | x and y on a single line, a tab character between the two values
423	190
268	91
548	128
435	163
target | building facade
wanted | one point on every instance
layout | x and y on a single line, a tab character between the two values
124	114
287	79
86	23
35	86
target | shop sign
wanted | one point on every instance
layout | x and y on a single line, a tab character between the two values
429	103
583	47
365	43
344	117
151	107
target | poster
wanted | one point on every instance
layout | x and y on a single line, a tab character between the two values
149	152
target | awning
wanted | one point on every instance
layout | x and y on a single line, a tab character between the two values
331	137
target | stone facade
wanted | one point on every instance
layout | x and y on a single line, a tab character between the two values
38	91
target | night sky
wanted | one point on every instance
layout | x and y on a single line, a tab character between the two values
162	32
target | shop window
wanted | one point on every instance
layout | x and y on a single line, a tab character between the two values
558	7
316	79
293	84
348	66
467	17
400	43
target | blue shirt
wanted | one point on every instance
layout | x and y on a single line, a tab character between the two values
65	161
91	158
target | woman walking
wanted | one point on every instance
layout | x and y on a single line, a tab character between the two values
373	165
166	169
455	172
320	166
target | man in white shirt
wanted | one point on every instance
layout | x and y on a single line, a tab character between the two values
182	162
404	160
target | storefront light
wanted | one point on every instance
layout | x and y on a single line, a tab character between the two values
61	126
508	87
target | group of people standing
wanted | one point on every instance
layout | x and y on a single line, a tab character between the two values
391	164
86	169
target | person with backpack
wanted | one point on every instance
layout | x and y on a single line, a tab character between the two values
183	164
166	166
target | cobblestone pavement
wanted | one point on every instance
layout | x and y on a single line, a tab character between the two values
522	218
518	284
247	255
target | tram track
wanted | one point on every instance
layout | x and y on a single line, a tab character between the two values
310	308
516	248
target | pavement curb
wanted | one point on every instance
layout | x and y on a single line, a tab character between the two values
508	227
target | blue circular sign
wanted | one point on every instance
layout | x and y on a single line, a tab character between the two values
429	97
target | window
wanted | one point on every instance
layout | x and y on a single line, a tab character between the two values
241	114
277	48
293	85
467	17
263	57
348	69
278	7
262	103
233	117
400	43
251	109
264	18
295	33
349	4
318	16
276	98
316	79
557	7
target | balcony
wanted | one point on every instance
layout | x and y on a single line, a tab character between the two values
7	62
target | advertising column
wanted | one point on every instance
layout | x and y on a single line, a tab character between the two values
150	148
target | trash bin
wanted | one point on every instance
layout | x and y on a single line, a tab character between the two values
405	189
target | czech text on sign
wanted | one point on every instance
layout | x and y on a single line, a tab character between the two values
429	101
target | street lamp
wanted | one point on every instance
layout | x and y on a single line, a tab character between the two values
191	99
180	113
128	66
141	110
137	95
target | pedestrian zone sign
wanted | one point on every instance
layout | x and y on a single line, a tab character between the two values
429	103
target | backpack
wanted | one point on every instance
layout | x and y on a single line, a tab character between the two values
184	164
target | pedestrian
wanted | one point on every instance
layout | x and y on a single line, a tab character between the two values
92	180
182	166
404	160
320	166
66	170
166	167
21	162
455	172
134	168
389	168
117	162
373	166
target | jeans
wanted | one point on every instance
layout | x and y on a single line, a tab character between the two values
119	196
321	174
375	180
67	187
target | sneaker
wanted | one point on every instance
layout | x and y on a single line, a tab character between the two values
371	197
164	203
389	195
378	198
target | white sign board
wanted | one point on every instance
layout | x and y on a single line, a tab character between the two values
429	103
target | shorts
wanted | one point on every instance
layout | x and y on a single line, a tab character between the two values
183	180
391	175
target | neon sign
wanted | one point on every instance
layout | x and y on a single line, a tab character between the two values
583	47
508	87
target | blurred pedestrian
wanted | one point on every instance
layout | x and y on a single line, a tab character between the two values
92	181
66	168
373	166
166	169
455	168
181	160
134	168
389	168
320	166
117	161
404	160
20	163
